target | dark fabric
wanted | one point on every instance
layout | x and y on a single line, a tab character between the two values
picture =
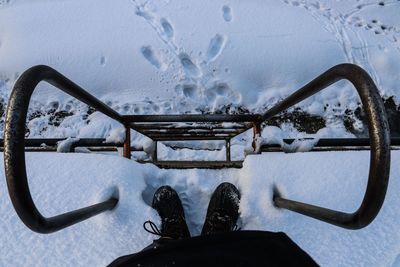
241	248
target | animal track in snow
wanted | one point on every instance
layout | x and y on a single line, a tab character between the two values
162	27
190	68
337	22
227	13
215	47
377	27
194	83
222	89
167	28
103	60
190	90
153	57
4	2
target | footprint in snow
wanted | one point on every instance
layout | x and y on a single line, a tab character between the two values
190	90
227	13
215	47
4	2
103	60
222	90
153	57
190	68
374	25
168	30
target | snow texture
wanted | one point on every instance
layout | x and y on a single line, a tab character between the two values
66	145
63	182
187	56
191	56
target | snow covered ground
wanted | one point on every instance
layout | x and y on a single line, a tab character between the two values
61	182
144	57
187	56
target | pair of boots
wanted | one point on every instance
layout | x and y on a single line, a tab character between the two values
222	212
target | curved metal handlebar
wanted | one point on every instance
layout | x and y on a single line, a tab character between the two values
380	147
14	154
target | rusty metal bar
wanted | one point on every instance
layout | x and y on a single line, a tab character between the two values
155	152
142	127
127	143
197	164
187	138
380	147
193	130
326	149
184	135
228	149
14	150
50	144
194	118
37	142
99	144
88	142
333	144
176	145
256	134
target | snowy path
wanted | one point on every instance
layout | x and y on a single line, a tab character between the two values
75	180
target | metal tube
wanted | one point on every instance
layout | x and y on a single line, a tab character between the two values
256	134
378	126
90	142
144	127
228	149
14	154
127	143
183	136
194	118
337	144
186	138
155	152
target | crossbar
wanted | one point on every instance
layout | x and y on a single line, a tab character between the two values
209	118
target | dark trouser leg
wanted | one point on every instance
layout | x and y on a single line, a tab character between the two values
157	243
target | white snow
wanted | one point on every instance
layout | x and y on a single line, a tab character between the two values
65	145
63	182
117	135
144	57
188	56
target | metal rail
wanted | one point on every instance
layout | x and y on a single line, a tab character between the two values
14	154
194	118
378	126
196	127
333	144
53	142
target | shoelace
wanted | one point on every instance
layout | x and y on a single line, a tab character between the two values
172	228
153	228
236	228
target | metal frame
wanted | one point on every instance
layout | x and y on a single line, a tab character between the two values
53	142
379	135
14	146
198	127
333	144
195	127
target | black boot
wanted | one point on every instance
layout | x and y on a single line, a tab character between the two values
223	210
168	205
